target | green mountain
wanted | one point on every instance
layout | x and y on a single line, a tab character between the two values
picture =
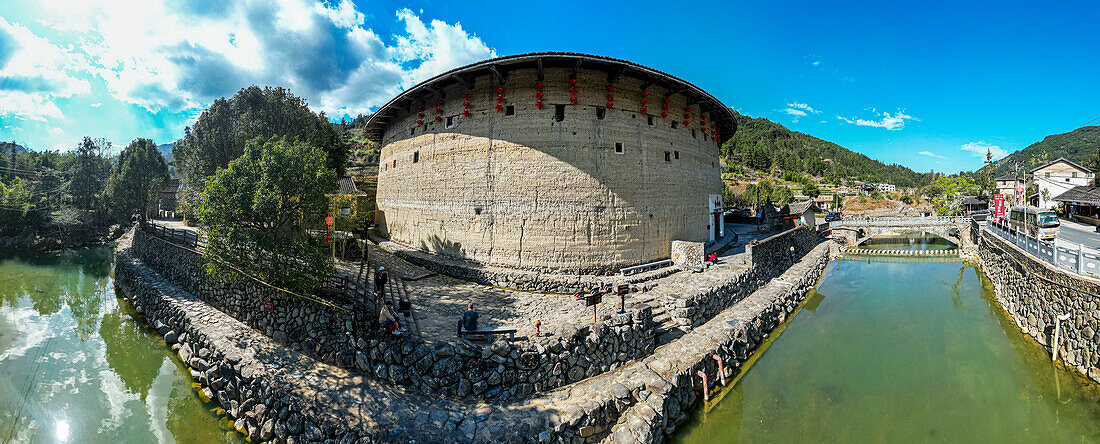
1080	146
5	148
166	151
765	146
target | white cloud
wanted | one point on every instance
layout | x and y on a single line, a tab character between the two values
168	55
980	148
34	73
799	110
891	122
931	154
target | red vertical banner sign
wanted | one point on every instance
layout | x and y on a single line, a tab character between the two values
998	207
330	225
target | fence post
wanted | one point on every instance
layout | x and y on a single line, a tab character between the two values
1080	259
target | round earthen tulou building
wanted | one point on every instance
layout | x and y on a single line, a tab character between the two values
551	161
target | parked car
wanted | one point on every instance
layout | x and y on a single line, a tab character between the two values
979	215
833	215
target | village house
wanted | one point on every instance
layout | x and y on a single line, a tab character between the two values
1053	178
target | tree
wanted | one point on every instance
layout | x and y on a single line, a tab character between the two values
223	130
253	213
137	179
947	192
811	190
89	172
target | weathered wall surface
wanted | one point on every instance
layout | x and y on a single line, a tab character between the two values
768	259
533	192
645	401
1035	293
324	332
354	340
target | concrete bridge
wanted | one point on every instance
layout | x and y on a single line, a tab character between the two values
955	229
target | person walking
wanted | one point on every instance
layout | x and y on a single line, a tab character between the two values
380	279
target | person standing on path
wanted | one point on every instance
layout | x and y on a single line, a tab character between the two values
380	279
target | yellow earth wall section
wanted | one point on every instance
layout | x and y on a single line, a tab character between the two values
531	192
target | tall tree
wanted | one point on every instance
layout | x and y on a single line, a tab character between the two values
222	131
137	179
89	172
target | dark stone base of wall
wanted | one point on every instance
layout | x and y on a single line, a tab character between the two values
1034	293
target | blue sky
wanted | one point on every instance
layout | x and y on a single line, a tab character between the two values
930	85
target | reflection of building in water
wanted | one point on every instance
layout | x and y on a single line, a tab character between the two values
551	161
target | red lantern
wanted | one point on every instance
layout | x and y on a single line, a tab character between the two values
610	104
538	104
465	95
465	113
500	90
573	90
466	104
499	98
645	93
645	102
438	110
643	110
500	107
538	86
438	103
419	122
610	88
573	100
437	118
572	81
419	114
538	95
664	114
667	100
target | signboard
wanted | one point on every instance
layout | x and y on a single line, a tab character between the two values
1020	194
998	206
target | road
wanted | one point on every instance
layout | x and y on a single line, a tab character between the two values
1079	233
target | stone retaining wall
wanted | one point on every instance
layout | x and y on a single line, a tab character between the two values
327	333
1034	293
503	370
767	259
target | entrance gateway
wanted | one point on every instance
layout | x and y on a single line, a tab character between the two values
715	205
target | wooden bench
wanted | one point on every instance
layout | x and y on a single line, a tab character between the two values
489	332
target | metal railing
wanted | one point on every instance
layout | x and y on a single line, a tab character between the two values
1062	254
899	221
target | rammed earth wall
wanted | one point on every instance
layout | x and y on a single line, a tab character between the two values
1035	293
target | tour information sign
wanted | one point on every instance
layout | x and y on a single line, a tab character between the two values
998	206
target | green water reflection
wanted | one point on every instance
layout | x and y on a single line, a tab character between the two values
77	365
902	352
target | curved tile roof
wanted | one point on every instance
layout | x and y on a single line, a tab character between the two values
720	114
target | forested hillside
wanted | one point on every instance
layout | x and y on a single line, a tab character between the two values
765	146
1080	145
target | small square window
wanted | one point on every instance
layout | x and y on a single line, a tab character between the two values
559	112
416	156
675	124
451	121
676	154
510	110
668	156
618	147
412	131
649	120
1074	174
693	133
395	163
600	113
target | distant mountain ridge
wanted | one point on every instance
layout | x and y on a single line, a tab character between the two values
761	144
5	148
166	151
1079	145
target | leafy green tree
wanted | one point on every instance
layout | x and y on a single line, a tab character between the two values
254	213
89	173
137	179
225	128
781	195
811	190
947	192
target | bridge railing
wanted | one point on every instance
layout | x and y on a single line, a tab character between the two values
1060	253
899	221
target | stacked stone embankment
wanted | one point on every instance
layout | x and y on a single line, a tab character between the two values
1035	293
351	338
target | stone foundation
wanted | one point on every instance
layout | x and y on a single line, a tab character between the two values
1034	293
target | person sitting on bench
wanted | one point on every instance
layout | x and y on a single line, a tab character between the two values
469	319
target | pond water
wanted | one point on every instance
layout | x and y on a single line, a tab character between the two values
78	365
901	352
911	240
